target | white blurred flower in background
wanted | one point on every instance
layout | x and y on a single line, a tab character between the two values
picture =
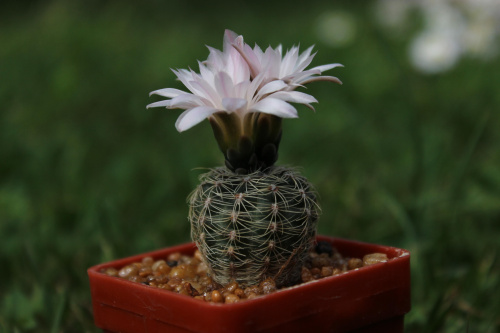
433	52
451	30
481	39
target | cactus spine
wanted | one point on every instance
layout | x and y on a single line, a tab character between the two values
253	226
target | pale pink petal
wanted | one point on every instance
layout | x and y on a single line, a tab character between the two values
240	90
205	73
234	104
192	117
165	103
253	54
257	51
205	89
305	59
224	85
215	59
276	107
294	97
279	49
238	42
304	56
237	67
300	76
248	55
167	92
229	38
254	86
271	87
186	78
186	101
320	78
271	63
323	68
289	61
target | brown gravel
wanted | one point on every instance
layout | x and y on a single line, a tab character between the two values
187	275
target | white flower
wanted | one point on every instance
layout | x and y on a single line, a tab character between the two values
237	81
244	93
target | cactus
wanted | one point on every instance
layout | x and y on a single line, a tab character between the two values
251	220
250	227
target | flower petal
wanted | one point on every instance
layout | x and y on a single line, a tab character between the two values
192	117
167	92
320	78
186	101
304	60
186	78
234	104
248	55
323	68
236	66
215	59
271	87
204	89
240	90
294	97
229	38
165	103
306	55
253	87
271	63
289	62
275	107
224	85
206	73
301	76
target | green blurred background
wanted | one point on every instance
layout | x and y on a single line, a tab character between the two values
405	153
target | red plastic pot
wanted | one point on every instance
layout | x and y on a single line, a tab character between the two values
369	299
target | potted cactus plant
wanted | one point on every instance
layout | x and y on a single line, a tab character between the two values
251	220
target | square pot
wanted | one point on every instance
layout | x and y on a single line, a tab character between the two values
373	298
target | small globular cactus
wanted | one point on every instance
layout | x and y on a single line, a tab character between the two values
251	227
250	219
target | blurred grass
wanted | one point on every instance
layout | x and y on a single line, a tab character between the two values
88	175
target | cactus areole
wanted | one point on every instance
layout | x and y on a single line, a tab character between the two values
250	219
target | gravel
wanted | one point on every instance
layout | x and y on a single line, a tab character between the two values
187	275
